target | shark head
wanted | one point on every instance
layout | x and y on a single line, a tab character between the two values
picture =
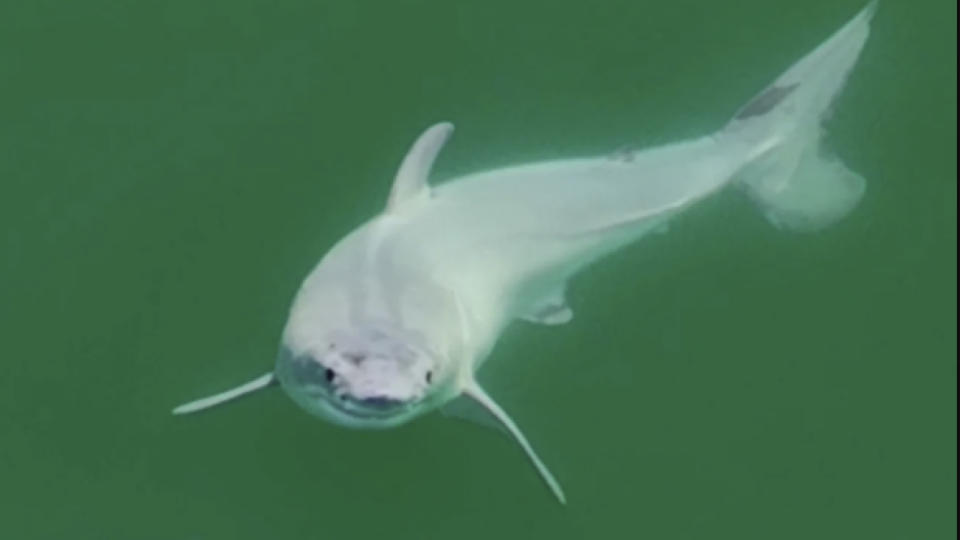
349	354
366	377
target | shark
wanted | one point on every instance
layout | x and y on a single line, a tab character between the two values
399	316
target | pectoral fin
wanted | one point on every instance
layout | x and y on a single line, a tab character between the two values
474	391
465	408
262	381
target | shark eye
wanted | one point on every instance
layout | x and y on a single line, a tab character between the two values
329	375
429	377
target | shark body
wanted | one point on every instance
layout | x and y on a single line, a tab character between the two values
398	317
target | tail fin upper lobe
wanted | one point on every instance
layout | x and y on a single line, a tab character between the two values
798	185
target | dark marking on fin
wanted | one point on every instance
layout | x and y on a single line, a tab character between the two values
766	101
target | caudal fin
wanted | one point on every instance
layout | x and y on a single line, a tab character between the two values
797	183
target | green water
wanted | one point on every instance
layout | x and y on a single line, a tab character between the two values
169	172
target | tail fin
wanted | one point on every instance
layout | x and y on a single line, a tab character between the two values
797	184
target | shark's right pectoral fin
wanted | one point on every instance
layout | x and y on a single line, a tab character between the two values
474	391
262	381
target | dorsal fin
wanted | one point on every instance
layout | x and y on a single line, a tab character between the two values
410	183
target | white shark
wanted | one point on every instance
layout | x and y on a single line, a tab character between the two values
396	320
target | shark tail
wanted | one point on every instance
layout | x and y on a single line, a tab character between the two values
793	179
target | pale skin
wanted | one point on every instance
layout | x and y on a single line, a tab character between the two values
398	317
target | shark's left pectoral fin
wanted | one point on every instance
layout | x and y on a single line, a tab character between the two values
262	381
476	392
410	184
469	410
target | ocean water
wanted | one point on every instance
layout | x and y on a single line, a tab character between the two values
170	171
